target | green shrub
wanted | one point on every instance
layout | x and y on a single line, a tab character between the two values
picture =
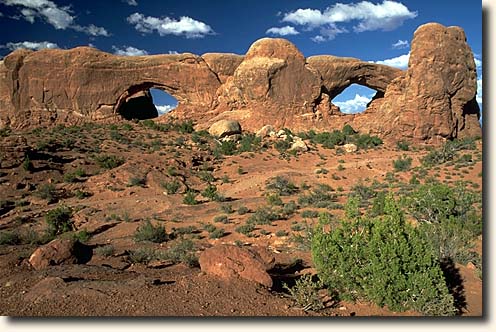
221	219
243	210
227	208
48	192
108	161
190	198
348	130
403	145
10	238
227	148
274	199
211	193
448	151
281	186
27	165
263	216
148	232
249	142
320	198
136	181
384	260
59	220
281	233
289	209
217	233
171	187
182	252
402	164
245	229
310	214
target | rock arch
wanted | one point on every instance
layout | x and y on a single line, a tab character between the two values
272	84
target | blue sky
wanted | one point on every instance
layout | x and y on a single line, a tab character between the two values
375	30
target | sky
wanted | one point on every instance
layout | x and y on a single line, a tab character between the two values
377	30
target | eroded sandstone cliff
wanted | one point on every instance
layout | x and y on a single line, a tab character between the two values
273	84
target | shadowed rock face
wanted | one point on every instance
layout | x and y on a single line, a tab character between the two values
272	84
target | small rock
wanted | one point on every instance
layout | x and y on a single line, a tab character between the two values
349	148
471	266
281	133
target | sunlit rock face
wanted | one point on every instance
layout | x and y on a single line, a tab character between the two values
272	84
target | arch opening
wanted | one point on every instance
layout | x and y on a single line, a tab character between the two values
145	101
164	102
355	98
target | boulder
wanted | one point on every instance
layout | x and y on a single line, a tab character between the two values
299	145
224	128
349	148
60	251
228	261
435	99
265	131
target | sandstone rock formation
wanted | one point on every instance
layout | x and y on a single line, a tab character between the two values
435	98
59	251
272	84
227	261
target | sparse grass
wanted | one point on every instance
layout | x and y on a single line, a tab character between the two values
181	252
305	293
281	233
142	255
105	251
137	181
263	216
227	208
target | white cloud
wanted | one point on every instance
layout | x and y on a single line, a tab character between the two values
355	105
478	62
162	109
29	45
185	26
60	18
400	62
400	44
385	16
328	33
173	52
131	2
92	30
128	51
1	14
478	97
284	31
318	39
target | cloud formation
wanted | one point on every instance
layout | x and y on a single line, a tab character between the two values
29	45
478	97
185	26
355	105
162	109
400	44
400	62
129	51
385	16
60	18
131	2
284	31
